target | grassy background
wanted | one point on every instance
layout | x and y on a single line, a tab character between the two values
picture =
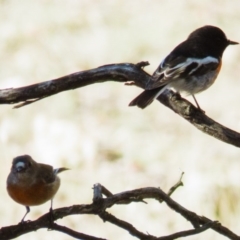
93	131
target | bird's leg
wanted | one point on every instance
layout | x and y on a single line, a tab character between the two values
28	210
197	103
51	220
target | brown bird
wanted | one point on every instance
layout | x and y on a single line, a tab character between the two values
30	183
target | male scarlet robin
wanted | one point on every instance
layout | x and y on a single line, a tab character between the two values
191	67
30	183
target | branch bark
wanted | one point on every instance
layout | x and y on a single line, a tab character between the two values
101	204
122	72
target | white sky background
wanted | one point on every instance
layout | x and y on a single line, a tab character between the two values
94	132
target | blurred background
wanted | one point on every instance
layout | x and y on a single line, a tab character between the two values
94	132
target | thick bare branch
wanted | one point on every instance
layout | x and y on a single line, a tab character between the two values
99	206
198	119
123	72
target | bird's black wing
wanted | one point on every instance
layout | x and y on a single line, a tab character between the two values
181	67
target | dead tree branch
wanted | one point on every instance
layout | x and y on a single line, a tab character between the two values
99	207
122	72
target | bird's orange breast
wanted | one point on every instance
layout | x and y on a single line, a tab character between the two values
33	195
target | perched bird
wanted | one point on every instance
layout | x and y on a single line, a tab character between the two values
191	67
30	183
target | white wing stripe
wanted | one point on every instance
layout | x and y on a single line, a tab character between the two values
182	66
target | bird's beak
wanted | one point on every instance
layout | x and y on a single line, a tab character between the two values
232	42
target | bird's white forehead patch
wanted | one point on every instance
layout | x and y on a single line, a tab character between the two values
20	164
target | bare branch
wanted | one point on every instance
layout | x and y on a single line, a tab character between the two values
107	217
188	232
176	186
123	72
99	206
198	119
73	233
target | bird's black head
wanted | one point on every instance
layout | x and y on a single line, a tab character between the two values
21	163
211	36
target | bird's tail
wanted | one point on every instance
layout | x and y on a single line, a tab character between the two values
146	98
58	170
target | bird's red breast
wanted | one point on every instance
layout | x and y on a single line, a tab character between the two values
35	194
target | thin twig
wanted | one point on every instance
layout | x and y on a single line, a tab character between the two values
176	186
188	233
107	217
73	233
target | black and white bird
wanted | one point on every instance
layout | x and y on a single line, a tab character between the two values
191	67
